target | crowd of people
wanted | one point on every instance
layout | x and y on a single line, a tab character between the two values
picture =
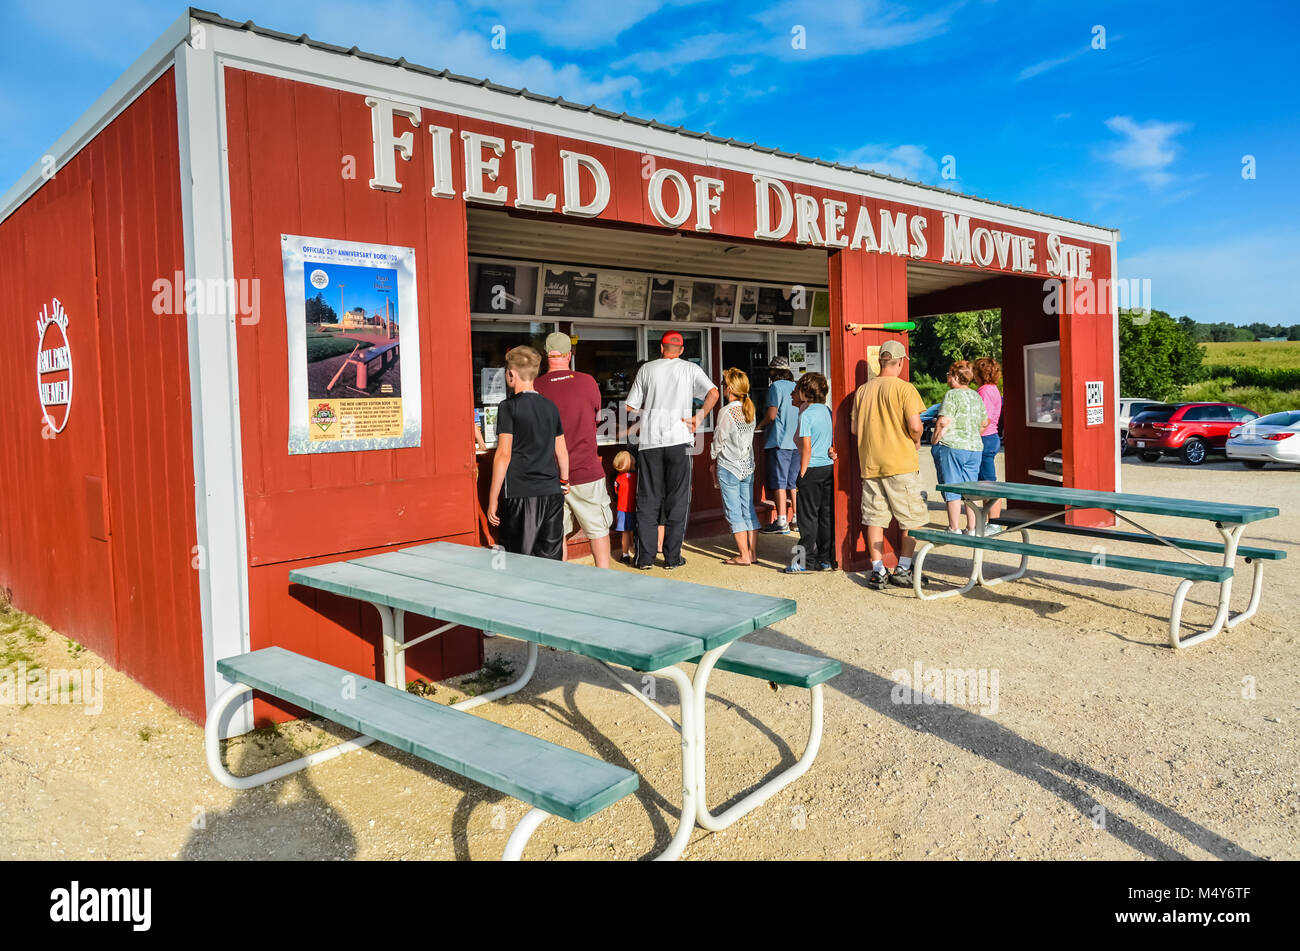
547	475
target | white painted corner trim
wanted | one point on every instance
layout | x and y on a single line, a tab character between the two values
214	374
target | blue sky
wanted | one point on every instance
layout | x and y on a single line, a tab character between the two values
1147	134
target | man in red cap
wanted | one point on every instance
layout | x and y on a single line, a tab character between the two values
664	393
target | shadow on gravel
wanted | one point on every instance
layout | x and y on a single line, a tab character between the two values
1063	777
265	822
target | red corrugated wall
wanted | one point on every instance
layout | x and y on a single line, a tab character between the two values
109	221
289	146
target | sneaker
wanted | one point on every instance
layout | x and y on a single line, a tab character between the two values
794	525
901	578
775	528
990	530
795	569
878	580
825	566
627	557
677	564
645	567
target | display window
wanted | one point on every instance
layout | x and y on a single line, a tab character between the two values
695	345
611	355
489	343
1043	385
748	351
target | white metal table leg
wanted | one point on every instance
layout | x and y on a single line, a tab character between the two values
918	562
1256	587
1231	536
768	789
512	687
212	747
686	692
389	640
519	837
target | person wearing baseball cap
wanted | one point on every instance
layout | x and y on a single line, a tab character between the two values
664	394
781	420
887	423
577	397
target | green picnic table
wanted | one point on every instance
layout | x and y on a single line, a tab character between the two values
614	617
1229	518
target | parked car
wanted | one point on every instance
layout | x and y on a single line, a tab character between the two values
1128	408
929	417
1271	438
1188	430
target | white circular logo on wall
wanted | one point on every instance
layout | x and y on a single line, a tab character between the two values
319	279
54	365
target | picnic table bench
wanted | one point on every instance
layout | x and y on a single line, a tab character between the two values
614	617
554	780
1229	518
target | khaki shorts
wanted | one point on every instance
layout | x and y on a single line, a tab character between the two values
896	496
589	505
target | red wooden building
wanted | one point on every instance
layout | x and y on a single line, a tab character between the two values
159	259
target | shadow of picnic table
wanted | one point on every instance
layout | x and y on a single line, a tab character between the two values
1059	775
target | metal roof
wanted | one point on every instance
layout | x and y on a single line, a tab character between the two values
216	19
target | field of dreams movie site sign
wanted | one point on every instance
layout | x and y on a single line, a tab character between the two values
827	223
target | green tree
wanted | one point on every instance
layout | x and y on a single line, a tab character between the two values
320	312
1157	358
941	339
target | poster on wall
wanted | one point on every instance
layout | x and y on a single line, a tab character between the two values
620	295
683	294
499	288
661	298
351	312
569	293
747	312
774	306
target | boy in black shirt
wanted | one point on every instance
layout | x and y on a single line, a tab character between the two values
531	464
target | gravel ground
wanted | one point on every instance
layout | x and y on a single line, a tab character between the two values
1099	741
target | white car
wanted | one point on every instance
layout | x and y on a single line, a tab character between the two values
1272	438
1128	408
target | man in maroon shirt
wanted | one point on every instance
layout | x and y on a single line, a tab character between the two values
577	396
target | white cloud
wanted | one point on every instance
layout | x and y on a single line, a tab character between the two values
1145	147
851	27
901	161
689	50
1237	280
1038	68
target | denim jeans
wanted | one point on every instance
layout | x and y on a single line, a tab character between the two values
989	457
955	465
738	501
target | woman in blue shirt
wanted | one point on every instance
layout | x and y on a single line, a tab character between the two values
816	481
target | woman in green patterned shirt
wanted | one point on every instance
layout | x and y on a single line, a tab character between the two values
957	443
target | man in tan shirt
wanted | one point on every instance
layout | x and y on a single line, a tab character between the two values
887	424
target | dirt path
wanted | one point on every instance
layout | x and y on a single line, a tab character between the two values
1102	743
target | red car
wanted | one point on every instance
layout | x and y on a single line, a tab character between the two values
1188	430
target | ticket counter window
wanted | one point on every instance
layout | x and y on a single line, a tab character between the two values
806	352
610	355
748	351
693	348
490	342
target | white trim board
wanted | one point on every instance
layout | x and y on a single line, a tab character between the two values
214	376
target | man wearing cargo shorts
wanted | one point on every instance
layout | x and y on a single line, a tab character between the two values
887	424
577	396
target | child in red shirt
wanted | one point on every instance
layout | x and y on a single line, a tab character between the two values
625	501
